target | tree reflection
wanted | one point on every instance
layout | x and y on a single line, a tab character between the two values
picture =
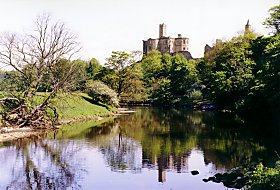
164	139
45	164
156	139
120	152
167	138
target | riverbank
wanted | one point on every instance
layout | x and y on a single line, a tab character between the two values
72	108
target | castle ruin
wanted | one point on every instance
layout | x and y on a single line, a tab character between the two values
167	44
208	48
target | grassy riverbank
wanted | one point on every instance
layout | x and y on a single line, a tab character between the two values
79	106
71	108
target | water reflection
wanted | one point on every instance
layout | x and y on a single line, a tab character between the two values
147	147
36	163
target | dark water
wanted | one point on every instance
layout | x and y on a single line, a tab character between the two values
150	149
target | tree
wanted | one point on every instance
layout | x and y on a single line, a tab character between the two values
93	68
231	75
122	72
264	90
151	66
35	58
100	92
184	77
169	79
273	21
133	87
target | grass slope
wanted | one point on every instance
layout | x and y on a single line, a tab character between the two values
78	106
75	106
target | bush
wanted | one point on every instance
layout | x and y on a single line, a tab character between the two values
195	95
265	178
100	92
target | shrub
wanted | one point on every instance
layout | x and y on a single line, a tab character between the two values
100	92
195	95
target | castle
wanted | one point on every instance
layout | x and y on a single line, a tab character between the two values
166	44
208	48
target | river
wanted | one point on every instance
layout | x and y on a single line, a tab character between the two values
150	149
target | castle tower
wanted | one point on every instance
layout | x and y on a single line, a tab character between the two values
247	27
162	30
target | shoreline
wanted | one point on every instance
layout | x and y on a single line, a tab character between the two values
11	134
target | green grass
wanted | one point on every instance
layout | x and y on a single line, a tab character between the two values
78	106
73	106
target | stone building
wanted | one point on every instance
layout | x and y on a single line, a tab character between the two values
167	44
208	49
248	27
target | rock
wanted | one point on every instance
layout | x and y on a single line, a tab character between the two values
194	172
216	180
205	180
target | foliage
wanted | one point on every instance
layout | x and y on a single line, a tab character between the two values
251	177
119	60
195	95
123	75
100	92
134	90
169	79
267	78
273	21
80	75
93	68
265	178
60	70
38	61
231	72
243	73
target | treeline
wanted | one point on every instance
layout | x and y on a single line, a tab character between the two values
239	74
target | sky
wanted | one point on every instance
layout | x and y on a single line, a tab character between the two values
103	26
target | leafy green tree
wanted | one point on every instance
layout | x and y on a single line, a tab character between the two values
267	74
93	68
119	61
232	72
264	93
151	66
183	76
169	79
273	21
133	88
124	75
108	76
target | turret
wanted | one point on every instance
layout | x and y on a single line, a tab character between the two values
247	27
162	30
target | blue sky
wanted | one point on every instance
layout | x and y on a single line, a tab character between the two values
104	26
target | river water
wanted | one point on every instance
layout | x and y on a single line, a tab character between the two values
149	149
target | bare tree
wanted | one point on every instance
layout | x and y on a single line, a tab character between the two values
37	59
